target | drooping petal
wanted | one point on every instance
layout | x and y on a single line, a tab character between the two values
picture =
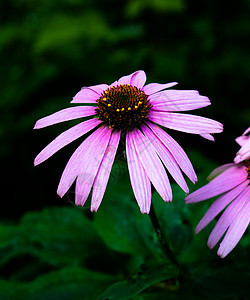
236	230
152	164
65	115
89	166
221	184
138	79
227	218
219	170
89	94
166	157
178	100
103	173
153	88
73	167
186	123
65	138
219	204
138	177
175	149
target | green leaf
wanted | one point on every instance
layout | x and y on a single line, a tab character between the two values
68	283
58	236
149	274
120	222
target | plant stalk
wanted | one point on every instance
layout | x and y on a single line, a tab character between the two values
168	252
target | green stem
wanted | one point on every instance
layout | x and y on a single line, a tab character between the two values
168	252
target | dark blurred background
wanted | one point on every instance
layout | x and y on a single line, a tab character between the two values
50	49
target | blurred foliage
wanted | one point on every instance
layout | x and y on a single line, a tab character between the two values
68	253
48	51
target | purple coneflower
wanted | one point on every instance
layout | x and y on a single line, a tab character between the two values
131	109
231	182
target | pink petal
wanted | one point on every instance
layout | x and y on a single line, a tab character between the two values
126	79
221	184
152	88
138	177
219	170
207	136
219	204
166	157
244	153
186	123
102	176
89	94
65	115
89	166
246	131
178	100
175	149
65	138
73	167
99	88
241	140
115	83
138	79
174	95
227	218
236	230
152	165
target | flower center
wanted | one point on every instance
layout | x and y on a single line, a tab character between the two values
123	107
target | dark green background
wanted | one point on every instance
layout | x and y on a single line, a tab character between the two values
50	49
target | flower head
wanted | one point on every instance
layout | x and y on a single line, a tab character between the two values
128	108
231	182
